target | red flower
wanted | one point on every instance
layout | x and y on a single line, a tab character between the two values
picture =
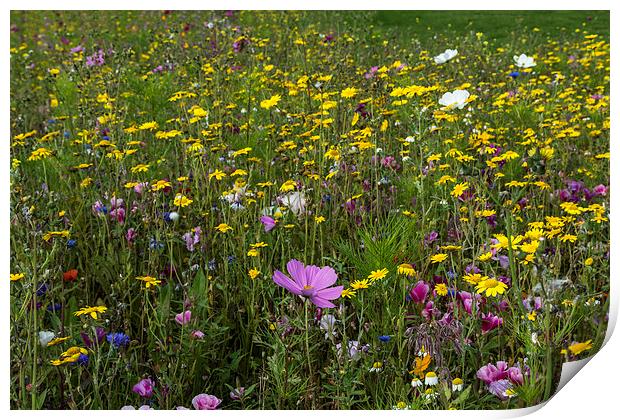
70	275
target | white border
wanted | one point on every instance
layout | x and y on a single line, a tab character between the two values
592	395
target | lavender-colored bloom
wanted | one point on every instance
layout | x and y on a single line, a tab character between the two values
237	393
197	334
310	282
430	238
99	208
192	238
206	402
97	59
500	388
353	348
144	388
268	222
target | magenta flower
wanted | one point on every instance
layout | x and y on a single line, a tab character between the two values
419	292
500	379
491	373
311	282
490	322
144	388
183	318
206	402
268	222
131	235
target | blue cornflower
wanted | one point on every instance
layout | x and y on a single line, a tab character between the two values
384	338
42	289
71	243
54	307
83	360
118	340
514	74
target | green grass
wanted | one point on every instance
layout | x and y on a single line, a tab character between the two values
498	25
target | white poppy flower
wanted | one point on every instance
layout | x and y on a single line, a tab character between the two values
524	61
445	56
295	201
45	337
456	99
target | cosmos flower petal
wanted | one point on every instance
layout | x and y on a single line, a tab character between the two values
297	271
282	280
324	277
321	303
330	293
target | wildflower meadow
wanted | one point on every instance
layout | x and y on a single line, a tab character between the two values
305	209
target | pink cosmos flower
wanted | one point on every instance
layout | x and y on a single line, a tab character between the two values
268	222
311	282
205	402
183	318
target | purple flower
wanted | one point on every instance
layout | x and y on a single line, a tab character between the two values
500	388
100	336
467	299
311	282
131	235
205	402
99	208
192	238
197	334
237	393
491	373
490	322
600	190
97	59
419	292
499	378
118	214
353	348
183	318
430	238
268	222
144	388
